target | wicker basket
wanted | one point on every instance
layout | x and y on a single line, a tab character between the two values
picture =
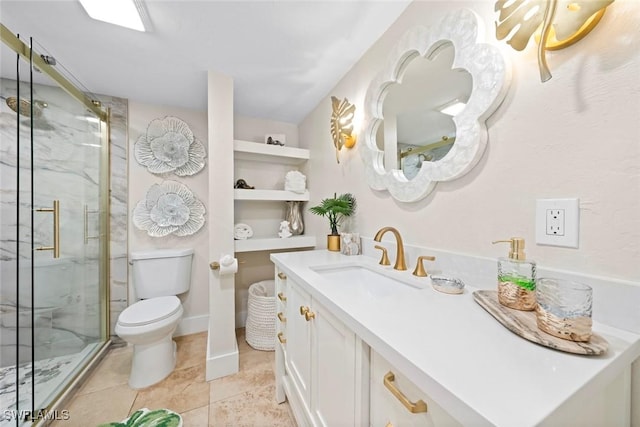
261	316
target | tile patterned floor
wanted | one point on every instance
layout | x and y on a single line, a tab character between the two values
245	399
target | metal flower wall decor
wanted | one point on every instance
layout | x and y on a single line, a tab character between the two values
561	23
169	208
170	146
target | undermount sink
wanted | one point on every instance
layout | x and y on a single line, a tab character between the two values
368	279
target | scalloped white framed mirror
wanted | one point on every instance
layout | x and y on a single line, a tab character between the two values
464	135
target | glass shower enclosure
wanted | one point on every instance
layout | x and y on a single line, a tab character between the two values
54	234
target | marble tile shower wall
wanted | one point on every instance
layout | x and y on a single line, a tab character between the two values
118	248
69	301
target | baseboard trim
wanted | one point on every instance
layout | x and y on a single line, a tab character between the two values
221	365
192	325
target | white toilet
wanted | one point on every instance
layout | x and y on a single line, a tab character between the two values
158	276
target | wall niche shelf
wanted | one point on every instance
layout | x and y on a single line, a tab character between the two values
257	152
269	195
275	243
269	160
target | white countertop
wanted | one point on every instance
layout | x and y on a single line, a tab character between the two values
455	351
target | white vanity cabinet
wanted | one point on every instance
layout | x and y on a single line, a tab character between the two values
323	363
281	329
473	372
396	401
298	357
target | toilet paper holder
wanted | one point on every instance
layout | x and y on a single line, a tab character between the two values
225	260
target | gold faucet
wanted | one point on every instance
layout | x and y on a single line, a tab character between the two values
385	258
419	270
400	263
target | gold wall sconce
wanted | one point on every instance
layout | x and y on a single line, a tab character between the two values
558	24
342	124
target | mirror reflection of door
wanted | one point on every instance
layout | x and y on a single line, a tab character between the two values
414	129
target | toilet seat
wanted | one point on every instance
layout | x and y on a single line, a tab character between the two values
149	311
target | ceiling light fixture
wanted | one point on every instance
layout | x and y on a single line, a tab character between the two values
452	108
125	13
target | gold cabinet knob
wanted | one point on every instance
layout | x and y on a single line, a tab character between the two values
419	270
282	318
281	297
282	276
309	315
385	257
215	265
303	310
281	338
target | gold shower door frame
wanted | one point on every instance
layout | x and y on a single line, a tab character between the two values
25	52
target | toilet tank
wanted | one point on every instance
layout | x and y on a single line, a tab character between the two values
161	272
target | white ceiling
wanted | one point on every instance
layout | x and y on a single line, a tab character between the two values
284	56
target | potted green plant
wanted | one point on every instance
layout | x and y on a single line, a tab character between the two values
335	209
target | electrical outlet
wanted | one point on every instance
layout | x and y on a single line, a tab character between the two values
558	222
555	222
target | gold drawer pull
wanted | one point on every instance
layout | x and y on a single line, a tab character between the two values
282	318
281	338
309	315
389	424
281	297
414	408
303	310
282	276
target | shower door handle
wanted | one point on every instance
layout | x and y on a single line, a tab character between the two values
86	224
55	210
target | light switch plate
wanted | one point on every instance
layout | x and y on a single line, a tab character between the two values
558	222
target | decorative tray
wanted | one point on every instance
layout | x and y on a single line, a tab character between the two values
523	323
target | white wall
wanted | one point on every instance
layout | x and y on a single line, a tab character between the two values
252	129
222	348
254	266
573	136
196	301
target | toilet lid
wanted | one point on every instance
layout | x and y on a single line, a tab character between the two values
149	310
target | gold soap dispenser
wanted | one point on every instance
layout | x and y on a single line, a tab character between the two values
516	277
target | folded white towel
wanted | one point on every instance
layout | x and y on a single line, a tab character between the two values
295	181
242	231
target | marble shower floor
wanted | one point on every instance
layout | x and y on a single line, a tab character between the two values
245	399
50	374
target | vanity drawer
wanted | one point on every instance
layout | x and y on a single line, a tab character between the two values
396	401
